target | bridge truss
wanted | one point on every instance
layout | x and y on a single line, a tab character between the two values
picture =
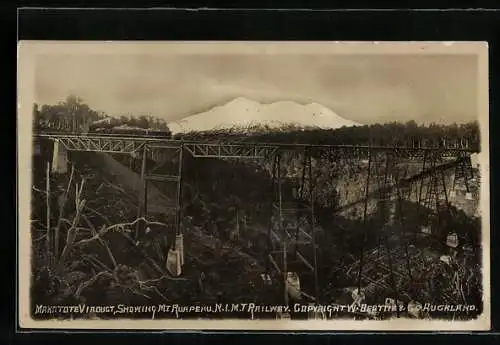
297	245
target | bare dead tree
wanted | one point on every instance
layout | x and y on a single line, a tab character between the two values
73	231
61	211
47	195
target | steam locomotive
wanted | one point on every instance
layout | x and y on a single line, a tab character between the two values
130	131
108	128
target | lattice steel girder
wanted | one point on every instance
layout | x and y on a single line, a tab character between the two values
405	182
95	144
118	144
222	150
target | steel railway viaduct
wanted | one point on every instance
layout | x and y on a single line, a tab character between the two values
383	181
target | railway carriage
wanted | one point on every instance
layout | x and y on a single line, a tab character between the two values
131	131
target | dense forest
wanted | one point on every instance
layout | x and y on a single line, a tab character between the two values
388	134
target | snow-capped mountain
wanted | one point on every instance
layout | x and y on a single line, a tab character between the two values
243	113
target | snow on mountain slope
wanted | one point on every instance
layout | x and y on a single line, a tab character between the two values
243	113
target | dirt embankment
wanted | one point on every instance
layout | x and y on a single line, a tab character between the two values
157	202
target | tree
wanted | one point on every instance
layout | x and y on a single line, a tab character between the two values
36	115
143	122
124	119
70	115
79	113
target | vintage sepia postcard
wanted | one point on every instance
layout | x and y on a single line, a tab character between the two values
253	186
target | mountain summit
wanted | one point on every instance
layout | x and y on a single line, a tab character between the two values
243	113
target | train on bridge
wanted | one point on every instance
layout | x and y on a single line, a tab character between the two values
103	128
360	136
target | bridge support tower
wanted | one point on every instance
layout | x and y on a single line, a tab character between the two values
292	232
162	167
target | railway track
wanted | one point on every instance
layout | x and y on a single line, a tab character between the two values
279	145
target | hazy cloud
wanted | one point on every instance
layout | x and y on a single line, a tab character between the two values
440	88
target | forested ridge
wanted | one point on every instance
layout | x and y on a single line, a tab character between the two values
387	134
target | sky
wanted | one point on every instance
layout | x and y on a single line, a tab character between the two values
365	89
